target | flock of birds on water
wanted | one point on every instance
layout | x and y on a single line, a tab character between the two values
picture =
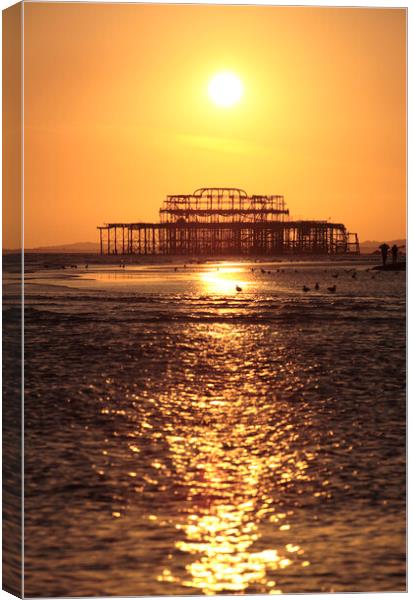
331	289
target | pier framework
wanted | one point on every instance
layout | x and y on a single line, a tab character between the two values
226	221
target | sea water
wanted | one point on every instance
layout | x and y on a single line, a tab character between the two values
183	437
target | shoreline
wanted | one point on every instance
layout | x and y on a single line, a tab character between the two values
91	257
399	266
55	261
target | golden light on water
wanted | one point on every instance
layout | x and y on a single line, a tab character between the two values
228	467
223	280
227	493
231	460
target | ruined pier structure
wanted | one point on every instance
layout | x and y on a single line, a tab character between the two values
226	221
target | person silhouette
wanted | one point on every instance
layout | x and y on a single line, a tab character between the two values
384	250
394	253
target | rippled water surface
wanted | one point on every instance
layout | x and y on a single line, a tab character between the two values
186	438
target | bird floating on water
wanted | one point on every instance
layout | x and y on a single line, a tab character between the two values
332	289
305	288
238	288
317	286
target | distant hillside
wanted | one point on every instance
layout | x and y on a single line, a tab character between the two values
81	247
370	246
366	247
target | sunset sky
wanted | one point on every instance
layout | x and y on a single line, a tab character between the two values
117	113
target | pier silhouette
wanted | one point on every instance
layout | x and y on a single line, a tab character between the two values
226	221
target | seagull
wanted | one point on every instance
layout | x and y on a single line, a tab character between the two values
238	288
305	288
332	289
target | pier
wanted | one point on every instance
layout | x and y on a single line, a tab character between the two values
226	221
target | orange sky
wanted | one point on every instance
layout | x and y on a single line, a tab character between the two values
117	113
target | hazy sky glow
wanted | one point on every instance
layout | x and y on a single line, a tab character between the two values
118	114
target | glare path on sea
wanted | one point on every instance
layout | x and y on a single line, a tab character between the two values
226	456
230	453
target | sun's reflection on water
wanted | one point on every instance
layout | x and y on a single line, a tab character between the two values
223	280
231	461
224	525
222	452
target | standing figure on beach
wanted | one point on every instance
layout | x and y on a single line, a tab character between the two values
384	250
394	253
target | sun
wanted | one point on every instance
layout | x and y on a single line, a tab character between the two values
225	89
